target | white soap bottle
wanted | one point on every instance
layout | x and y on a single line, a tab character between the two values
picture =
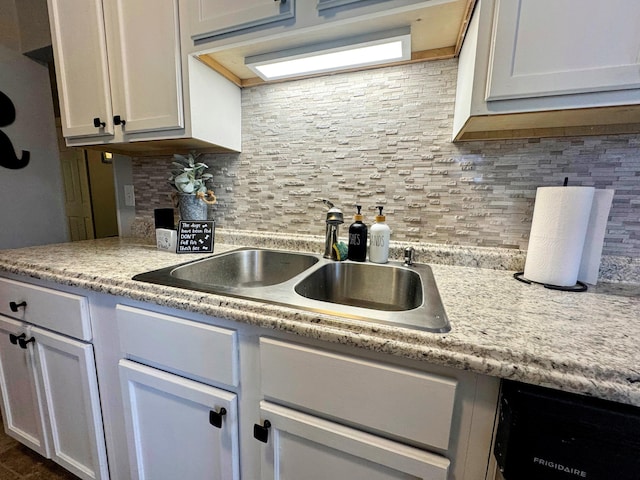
379	240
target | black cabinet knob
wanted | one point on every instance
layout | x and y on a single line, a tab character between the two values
23	343
14	338
119	121
97	123
215	418
261	432
15	306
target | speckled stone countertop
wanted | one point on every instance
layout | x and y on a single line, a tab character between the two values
579	342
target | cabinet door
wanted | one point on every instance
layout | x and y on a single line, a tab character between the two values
304	446
171	429
552	47
208	18
145	65
23	415
70	392
82	71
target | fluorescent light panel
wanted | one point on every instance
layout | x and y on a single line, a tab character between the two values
360	51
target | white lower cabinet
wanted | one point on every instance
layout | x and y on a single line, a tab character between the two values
338	416
178	428
188	396
301	446
22	408
50	397
177	424
223	402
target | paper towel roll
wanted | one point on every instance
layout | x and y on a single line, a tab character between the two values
558	232
592	251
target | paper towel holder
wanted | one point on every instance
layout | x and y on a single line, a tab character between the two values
578	287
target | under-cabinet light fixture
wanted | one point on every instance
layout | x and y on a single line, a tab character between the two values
365	50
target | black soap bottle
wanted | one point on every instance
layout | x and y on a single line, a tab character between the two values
357	239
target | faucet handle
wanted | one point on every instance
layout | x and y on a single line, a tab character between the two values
334	215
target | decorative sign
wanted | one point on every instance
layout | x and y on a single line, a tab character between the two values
8	157
196	236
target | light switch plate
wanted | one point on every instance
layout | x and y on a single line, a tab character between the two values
129	196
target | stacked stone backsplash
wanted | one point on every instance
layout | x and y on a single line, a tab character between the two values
383	137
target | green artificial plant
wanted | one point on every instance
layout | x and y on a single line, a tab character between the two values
187	175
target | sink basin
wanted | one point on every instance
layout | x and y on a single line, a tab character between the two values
364	285
245	268
392	293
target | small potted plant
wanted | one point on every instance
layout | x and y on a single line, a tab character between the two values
188	177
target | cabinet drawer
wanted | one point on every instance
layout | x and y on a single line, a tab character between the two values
195	350
398	401
58	311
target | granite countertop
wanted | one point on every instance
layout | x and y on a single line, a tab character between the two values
580	342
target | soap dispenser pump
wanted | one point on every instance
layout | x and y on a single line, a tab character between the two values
379	241
358	238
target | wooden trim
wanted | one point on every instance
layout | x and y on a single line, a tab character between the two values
422	56
434	54
221	69
556	123
464	25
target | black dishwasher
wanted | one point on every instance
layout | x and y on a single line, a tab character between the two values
545	434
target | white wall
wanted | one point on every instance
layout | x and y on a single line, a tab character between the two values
31	198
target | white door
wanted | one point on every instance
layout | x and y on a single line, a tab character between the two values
23	416
300	446
178	428
82	70
143	39
214	17
72	403
552	47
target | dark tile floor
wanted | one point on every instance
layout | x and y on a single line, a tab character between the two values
18	462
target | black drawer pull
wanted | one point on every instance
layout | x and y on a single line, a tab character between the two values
97	123
261	432
14	338
117	120
15	306
215	418
23	343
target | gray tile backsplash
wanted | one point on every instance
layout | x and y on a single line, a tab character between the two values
382	137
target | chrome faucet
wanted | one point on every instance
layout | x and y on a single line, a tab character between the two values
333	221
408	256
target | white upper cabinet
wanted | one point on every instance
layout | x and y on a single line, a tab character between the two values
544	68
216	17
124	78
82	69
117	70
145	67
552	47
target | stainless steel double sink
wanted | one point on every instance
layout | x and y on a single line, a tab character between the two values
392	293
